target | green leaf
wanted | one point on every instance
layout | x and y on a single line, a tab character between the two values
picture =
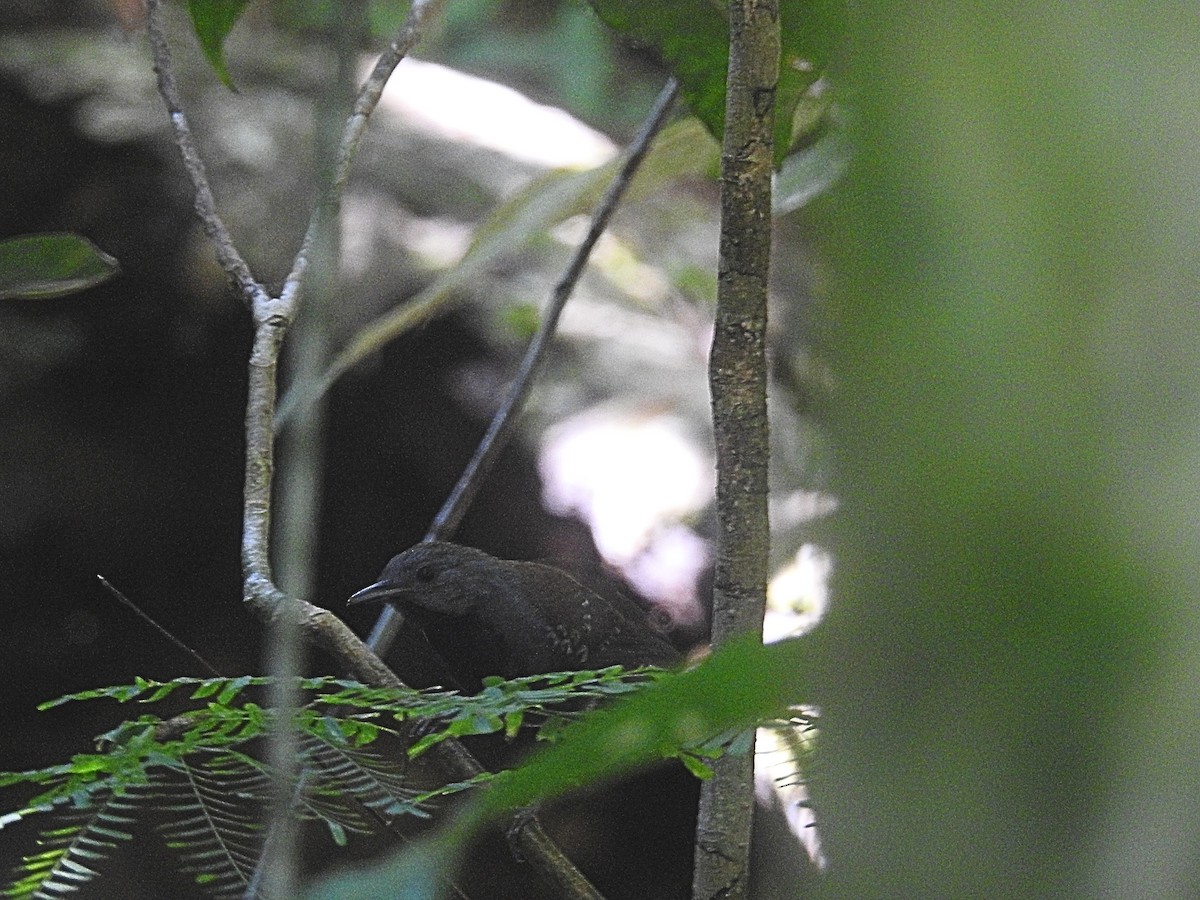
213	20
337	832
39	266
736	687
513	722
696	766
233	688
692	39
208	688
162	691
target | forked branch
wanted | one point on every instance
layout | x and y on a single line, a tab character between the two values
272	317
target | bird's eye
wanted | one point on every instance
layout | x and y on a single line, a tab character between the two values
426	573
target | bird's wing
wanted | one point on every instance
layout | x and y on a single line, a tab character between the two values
589	630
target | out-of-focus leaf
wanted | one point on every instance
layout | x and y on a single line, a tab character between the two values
692	39
697	766
739	685
213	20
681	149
1009	661
810	172
50	265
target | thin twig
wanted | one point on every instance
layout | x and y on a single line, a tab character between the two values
206	207
452	511
505	418
137	611
419	15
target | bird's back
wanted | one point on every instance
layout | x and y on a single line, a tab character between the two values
584	629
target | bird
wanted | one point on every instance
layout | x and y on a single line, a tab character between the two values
487	616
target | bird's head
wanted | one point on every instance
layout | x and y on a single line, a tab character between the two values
442	578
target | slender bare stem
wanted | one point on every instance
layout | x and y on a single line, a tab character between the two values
451	513
206	207
419	15
145	617
505	418
272	316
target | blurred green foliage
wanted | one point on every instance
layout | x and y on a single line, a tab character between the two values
555	50
1006	672
737	686
1007	706
692	37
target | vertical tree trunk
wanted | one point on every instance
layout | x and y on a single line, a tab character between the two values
738	381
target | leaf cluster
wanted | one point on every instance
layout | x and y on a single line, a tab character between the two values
690	38
201	776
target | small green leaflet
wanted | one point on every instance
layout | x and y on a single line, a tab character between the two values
213	20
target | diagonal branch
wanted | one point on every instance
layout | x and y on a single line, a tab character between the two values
272	316
206	207
450	515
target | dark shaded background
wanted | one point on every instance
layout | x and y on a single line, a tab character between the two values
121	439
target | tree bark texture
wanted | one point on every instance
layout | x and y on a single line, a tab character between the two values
738	382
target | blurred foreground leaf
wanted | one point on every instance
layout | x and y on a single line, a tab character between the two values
738	686
810	172
692	39
1008	667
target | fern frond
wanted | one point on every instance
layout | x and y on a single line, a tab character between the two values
75	850
197	774
214	822
356	788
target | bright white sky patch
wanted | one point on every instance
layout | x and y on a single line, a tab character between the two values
465	108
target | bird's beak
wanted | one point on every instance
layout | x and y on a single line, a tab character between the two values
380	590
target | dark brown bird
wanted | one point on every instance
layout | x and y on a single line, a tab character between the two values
489	616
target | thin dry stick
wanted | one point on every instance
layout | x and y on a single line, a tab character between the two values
271	317
206	207
451	513
738	380
420	14
137	611
500	429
